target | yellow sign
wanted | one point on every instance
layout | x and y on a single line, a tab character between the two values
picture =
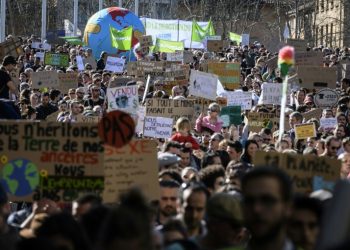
303	131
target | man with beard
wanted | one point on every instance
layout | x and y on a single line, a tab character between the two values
169	201
267	206
45	108
194	198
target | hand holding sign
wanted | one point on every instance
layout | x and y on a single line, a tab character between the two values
116	129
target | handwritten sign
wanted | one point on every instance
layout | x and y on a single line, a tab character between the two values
231	115
314	113
116	128
326	98
257	121
308	173
229	74
45	79
115	64
123	98
241	98
303	131
55	59
203	85
67	81
158	127
271	93
183	56
90	60
129	167
328	123
58	161
314	77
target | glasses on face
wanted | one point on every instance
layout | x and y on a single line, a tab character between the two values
265	200
80	93
95	90
72	93
335	148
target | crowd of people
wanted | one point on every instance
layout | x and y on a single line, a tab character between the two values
211	195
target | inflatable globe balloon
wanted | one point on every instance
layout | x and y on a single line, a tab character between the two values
97	36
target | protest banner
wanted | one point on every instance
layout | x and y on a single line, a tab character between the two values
326	98
61	60
67	81
183	56
217	46
314	113
88	119
168	46
229	74
203	85
305	130
313	77
41	46
45	79
134	165
141	113
123	98
309	58
41	55
115	64
308	173
299	45
241	98
158	127
90	60
271	93
11	47
235	38
116	128
80	63
231	115
328	123
257	121
245	39
57	161
170	108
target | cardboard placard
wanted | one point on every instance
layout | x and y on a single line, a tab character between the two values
308	173
326	98
118	81
313	77
217	46
231	115
67	81
90	60
45	79
11	47
88	119
272	62
131	69
55	59
158	127
123	98
115	64
299	45
53	117
271	93
328	123
183	56
58	161
129	167
170	108
257	121
314	113
309	58
242	98
42	46
305	130
146	41
203	85
229	74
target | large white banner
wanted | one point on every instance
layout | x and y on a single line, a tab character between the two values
172	30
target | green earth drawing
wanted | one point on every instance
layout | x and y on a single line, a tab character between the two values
20	177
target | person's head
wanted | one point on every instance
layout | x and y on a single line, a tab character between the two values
158	85
215	139
267	193
84	203
211	158
74	108
62	106
339	131
185	154
282	145
345	165
344	83
346	144
172	147
205	135
266	135
183	125
103	55
169	198
320	147
45	99
173	230
341	119
332	146
189	174
213	177
170	174
79	93
34	100
234	149
250	148
9	62
95	91
214	110
295	118
177	91
304	223
327	113
194	199
301	93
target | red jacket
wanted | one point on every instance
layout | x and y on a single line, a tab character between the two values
183	139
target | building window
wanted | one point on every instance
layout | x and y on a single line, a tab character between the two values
321	35
332	4
331	36
326	38
327	3
322	5
316	37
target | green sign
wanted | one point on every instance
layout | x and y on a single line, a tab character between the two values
61	60
231	115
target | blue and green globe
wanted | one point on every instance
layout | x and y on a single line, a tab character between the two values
97	36
20	177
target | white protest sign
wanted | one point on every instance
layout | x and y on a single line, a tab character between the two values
141	113
158	127
240	98
328	123
326	98
245	39
80	63
38	45
123	98
41	55
115	64
271	93
203	85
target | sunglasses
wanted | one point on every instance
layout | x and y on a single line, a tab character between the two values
81	93
335	148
